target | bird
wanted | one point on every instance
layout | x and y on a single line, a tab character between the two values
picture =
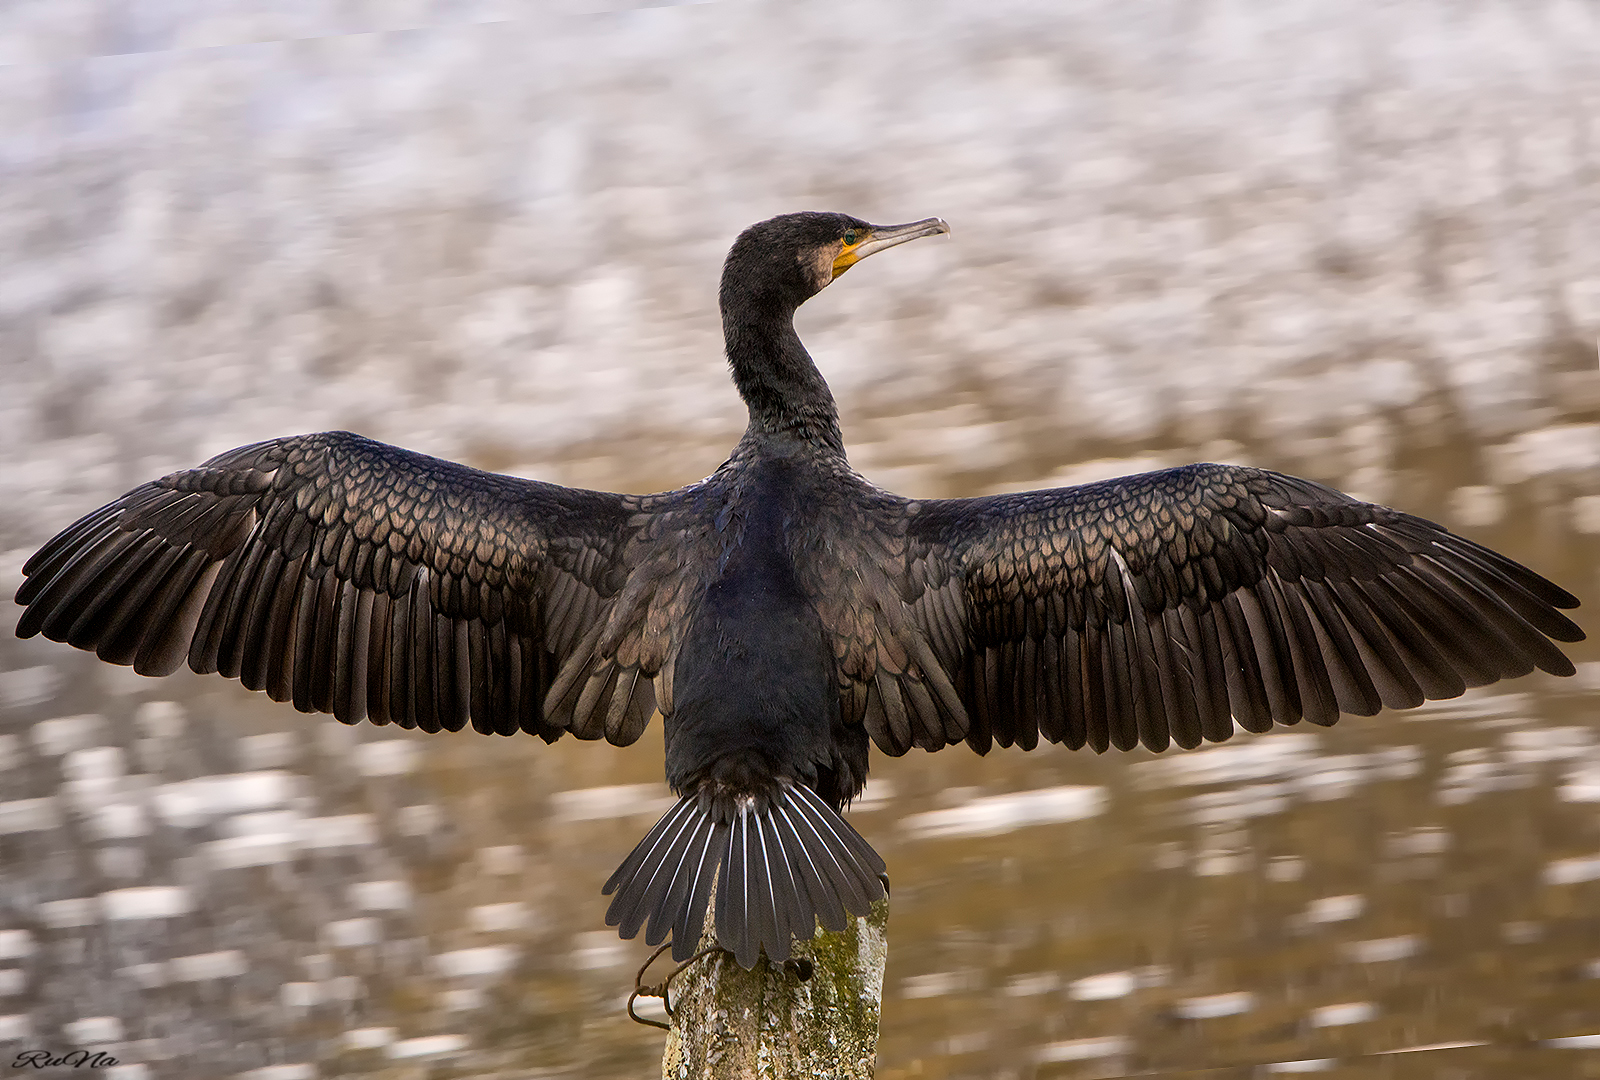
785	614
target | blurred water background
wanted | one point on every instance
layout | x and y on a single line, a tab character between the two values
1358	241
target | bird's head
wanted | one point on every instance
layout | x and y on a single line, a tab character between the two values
788	259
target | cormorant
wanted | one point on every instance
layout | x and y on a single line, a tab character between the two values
784	612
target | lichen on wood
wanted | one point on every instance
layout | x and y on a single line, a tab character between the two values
774	1023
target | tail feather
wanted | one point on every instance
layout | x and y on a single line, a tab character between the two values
838	855
824	816
663	874
686	928
738	912
792	915
809	870
652	851
779	867
683	858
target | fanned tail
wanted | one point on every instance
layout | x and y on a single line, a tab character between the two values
784	864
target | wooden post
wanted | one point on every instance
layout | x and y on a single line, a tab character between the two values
770	1023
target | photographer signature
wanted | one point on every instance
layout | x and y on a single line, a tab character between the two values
76	1059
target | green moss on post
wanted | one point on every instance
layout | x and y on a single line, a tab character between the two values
768	1023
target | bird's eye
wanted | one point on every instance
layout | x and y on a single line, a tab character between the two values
849	237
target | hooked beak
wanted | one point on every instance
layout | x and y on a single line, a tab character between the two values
880	237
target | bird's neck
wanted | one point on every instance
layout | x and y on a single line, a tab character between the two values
780	384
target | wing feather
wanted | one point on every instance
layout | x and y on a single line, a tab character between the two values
1169	642
60	605
1317	700
380	658
1074	693
138	574
1178	605
1117	671
1353	685
369	582
1098	696
304	642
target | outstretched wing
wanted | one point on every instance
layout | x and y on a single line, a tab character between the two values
363	580
1162	607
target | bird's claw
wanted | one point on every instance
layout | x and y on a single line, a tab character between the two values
662	989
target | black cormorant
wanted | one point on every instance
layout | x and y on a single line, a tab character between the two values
784	612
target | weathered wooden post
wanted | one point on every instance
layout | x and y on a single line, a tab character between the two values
815	1016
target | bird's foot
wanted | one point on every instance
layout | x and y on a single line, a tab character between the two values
664	987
